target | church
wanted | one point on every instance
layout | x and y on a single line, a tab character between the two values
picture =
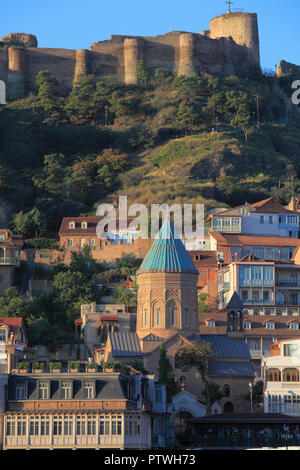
167	314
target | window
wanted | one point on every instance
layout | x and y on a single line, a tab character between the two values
68	425
294	299
43	391
20	392
261	219
92	242
171	313
279	298
3	334
291	375
266	295
294	325
270	219
88	390
244	295
210	323
57	425
10	426
226	390
34	422
182	384
72	225
91	425
145	317
66	390
21	426
290	350
104	428
116	425
70	242
274	375
270	325
84	225
157	316
45	425
247	325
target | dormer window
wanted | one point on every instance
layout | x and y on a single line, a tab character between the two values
72	225
84	225
210	323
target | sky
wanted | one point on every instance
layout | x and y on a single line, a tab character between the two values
76	24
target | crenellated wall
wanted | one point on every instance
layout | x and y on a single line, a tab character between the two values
230	47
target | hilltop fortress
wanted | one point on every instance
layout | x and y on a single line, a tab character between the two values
230	46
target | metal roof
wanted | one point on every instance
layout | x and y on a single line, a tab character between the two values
168	254
231	369
224	346
125	344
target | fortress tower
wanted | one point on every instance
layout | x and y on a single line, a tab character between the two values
167	288
242	27
230	47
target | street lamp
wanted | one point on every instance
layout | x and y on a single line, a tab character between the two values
251	396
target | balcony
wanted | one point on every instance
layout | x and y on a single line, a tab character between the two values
10	260
288	284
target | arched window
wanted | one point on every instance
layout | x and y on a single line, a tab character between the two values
182	384
228	407
291	375
145	317
171	313
226	390
274	375
157	315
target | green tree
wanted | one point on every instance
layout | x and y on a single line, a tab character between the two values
47	92
187	115
71	287
212	393
79	106
163	78
125	296
202	303
12	304
51	177
30	224
198	355
166	375
238	110
142	72
84	262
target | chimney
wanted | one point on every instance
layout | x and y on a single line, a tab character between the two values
236	256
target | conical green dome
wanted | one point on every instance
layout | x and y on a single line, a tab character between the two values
167	254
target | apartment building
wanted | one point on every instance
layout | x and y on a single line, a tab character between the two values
84	410
281	378
266	217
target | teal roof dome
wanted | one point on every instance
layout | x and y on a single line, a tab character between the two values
167	254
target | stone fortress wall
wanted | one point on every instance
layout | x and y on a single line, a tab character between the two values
231	46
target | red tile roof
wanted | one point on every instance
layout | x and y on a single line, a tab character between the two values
14	324
78	230
204	258
253	240
267	206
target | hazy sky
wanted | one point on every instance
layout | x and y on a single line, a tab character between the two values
76	24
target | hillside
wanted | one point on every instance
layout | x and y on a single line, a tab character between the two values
65	154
